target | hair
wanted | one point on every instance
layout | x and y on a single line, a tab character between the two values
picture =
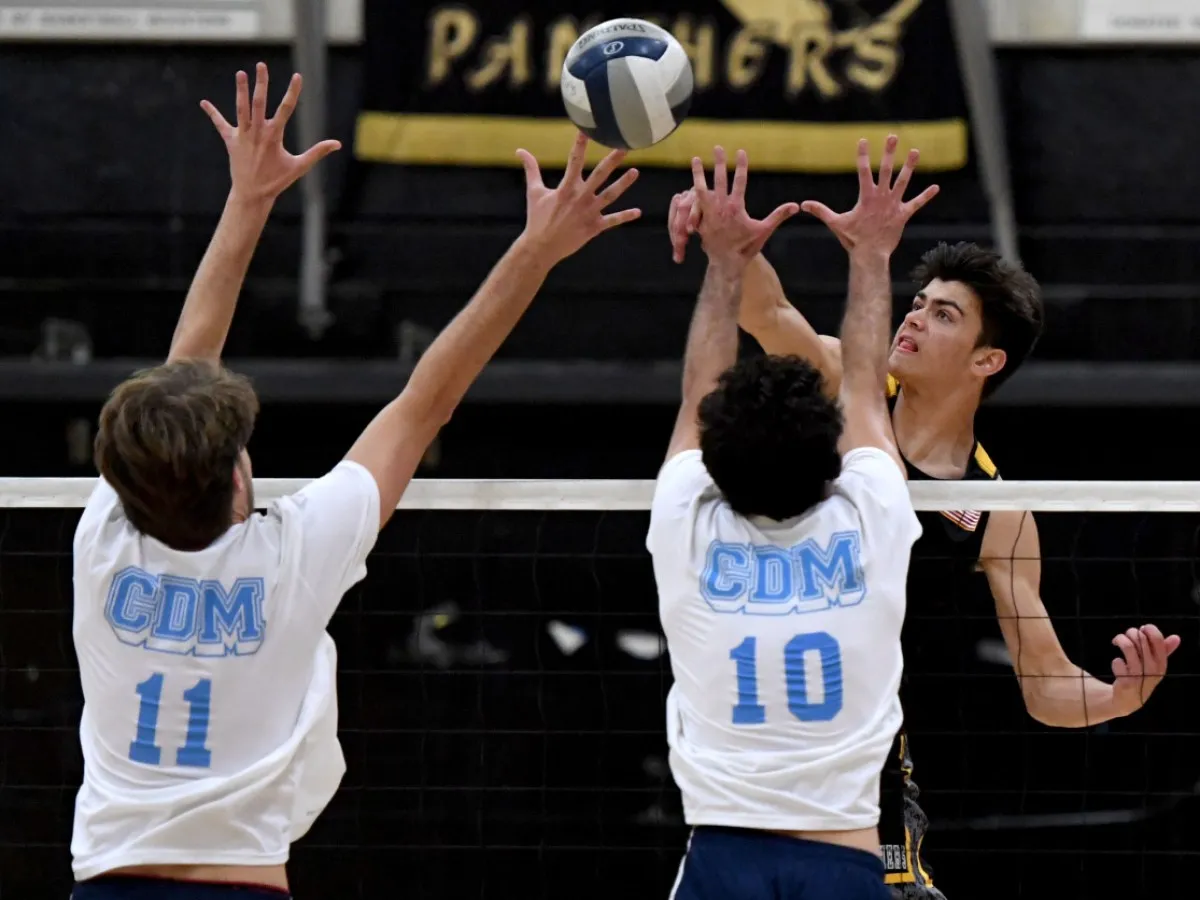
168	444
1010	300
769	436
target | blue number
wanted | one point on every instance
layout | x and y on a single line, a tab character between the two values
193	753
748	710
797	683
142	749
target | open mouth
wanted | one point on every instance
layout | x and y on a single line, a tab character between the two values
906	344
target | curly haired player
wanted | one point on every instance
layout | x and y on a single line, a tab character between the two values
974	320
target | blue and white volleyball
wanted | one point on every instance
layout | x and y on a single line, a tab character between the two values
627	84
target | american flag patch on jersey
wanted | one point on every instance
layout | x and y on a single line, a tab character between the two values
966	519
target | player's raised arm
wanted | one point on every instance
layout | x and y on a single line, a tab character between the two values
730	239
765	313
260	169
870	232
559	222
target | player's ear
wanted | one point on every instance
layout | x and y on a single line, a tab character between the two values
989	361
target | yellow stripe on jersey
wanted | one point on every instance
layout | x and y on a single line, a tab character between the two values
893	386
985	461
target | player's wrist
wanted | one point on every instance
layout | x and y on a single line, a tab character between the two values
870	254
536	250
249	202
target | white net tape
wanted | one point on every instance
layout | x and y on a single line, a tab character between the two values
633	495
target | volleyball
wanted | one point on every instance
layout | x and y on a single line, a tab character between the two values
627	84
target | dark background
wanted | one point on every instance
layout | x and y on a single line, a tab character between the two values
483	762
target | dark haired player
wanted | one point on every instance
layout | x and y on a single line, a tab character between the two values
974	320
780	537
209	727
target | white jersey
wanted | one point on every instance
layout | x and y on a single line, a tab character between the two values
209	726
784	640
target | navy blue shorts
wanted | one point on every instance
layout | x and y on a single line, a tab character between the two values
129	887
738	864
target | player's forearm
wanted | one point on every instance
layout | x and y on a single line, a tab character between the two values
455	359
712	340
1069	698
867	322
762	294
211	299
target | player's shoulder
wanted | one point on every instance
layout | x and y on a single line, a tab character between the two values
982	463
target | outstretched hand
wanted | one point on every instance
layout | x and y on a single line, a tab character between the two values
259	165
728	234
1142	665
560	221
878	218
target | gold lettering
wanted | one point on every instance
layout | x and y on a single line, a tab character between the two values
560	35
811	47
700	42
877	57
505	54
452	33
747	55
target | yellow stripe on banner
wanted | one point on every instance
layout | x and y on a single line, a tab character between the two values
814	147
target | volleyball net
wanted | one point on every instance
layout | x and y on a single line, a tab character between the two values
502	678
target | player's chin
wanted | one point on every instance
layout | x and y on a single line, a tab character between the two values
903	362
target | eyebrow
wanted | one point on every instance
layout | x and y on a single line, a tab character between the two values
921	295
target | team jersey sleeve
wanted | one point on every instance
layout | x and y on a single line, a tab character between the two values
874	484
102	511
329	528
681	484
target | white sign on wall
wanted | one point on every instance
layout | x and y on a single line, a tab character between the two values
149	21
1141	20
171	20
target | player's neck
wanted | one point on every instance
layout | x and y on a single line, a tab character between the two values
935	430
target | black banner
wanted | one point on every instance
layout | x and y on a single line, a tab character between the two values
794	82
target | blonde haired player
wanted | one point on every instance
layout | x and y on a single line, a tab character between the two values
209	727
781	535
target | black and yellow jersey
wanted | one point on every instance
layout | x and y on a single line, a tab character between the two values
944	578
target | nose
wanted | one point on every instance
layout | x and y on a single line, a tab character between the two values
915	319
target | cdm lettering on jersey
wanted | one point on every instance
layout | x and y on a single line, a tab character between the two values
186	616
765	580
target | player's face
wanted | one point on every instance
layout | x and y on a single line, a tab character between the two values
939	337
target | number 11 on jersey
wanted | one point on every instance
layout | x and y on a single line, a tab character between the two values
749	711
193	753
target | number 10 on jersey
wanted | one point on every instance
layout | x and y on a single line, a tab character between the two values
749	711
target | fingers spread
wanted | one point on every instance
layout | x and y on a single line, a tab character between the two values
614	191
906	174
575	160
740	176
888	162
259	100
287	105
612	220
917	203
819	211
604	169
533	174
865	181
699	181
720	172
223	127
779	216
318	152
243	100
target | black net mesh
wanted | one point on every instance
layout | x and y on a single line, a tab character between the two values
501	696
